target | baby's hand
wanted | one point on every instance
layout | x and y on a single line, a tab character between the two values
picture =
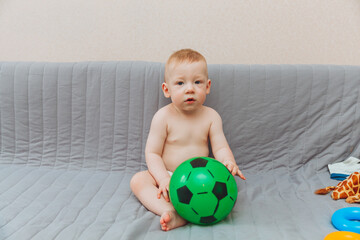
164	188
234	169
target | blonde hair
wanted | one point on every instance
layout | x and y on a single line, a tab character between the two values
184	55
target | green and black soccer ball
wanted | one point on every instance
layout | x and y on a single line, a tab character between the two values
202	190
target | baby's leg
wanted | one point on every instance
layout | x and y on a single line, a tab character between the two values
145	189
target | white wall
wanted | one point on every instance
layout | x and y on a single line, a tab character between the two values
230	31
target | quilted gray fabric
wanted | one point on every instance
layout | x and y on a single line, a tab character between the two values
72	135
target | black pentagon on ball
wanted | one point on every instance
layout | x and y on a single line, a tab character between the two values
184	194
198	162
220	190
207	220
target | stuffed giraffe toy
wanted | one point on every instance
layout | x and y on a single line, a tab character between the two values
348	189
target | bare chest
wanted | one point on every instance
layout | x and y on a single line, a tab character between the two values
188	132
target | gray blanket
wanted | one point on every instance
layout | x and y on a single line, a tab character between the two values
73	134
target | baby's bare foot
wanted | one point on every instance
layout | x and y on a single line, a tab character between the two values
170	220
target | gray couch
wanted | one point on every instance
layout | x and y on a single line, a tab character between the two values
73	134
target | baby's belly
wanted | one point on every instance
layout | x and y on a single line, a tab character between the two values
173	156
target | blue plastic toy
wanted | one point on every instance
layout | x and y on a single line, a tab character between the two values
347	219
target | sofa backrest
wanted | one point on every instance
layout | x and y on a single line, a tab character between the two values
96	115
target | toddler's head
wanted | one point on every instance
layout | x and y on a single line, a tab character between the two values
186	80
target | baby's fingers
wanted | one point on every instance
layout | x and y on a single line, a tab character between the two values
232	169
235	170
229	166
166	195
241	175
159	193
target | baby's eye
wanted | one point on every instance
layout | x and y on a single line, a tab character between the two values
197	82
179	83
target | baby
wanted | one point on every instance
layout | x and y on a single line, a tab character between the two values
180	131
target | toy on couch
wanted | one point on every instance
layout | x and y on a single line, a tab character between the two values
348	189
342	235
202	190
347	219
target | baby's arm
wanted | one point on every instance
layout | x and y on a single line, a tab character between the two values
220	146
153	151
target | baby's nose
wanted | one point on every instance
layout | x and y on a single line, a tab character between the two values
189	88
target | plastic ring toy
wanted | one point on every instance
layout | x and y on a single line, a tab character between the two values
342	235
347	219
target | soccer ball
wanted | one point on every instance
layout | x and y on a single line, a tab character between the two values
202	190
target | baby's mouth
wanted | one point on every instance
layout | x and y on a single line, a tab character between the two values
190	100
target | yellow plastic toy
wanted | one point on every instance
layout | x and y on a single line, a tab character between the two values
342	235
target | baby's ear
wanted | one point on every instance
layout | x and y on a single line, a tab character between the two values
208	86
165	89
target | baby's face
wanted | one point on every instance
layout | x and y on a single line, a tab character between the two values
187	85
